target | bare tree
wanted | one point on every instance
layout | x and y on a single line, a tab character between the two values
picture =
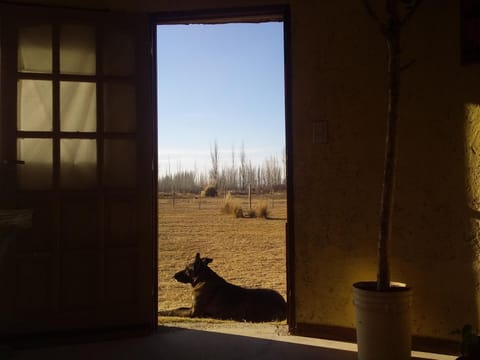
183	181
237	174
251	174
215	158
232	173
398	13
243	167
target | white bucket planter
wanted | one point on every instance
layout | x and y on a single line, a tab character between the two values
383	322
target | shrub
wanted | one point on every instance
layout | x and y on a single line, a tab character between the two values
209	191
232	206
251	213
238	212
261	210
227	208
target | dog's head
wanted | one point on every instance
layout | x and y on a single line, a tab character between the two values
193	271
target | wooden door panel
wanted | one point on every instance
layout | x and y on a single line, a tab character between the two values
41	237
79	223
80	277
34	284
120	221
120	163
77	110
121	276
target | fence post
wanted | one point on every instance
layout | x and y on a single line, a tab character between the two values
250	196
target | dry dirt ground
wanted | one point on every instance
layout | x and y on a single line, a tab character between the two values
246	251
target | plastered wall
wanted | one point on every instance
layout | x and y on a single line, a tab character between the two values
437	211
339	78
337	182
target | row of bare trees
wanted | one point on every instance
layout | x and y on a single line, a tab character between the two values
237	176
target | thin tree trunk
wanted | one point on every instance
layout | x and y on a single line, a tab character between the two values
391	30
392	33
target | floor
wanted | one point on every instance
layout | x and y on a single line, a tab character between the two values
205	341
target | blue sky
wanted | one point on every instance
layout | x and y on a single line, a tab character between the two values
222	83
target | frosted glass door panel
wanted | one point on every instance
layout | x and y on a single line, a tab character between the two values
118	56
78	163
120	163
78	106
77	50
34	105
35	49
36	173
119	107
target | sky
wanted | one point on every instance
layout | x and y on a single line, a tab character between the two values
223	84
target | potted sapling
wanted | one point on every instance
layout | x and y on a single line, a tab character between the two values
382	307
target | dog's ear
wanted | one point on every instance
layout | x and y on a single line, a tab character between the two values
206	261
197	263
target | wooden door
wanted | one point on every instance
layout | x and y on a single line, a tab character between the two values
77	147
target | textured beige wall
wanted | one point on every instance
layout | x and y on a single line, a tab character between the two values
435	227
338	76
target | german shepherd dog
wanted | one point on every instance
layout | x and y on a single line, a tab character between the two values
214	297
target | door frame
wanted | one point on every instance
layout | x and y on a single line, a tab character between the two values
254	14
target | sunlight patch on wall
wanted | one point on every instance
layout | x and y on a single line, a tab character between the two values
472	186
472	143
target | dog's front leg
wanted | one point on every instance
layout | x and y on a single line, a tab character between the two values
194	311
198	312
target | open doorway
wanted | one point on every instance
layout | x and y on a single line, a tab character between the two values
221	131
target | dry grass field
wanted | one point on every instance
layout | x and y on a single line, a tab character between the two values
245	251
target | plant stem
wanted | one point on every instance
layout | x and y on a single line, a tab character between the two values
392	34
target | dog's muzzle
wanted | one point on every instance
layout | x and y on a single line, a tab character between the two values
182	277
